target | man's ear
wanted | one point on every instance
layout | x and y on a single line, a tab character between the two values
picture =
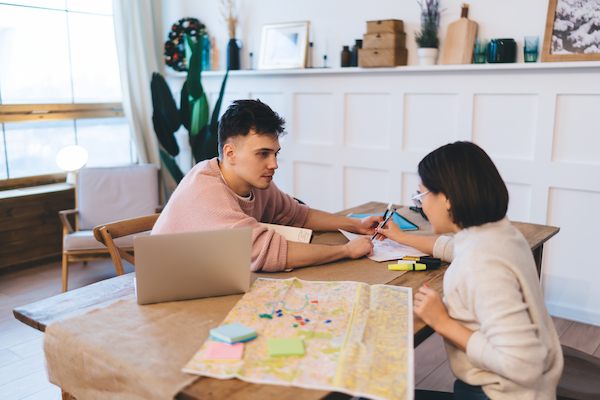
229	153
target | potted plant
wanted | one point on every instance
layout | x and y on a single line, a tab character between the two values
427	36
193	113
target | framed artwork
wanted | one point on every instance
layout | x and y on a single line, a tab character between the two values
572	31
283	46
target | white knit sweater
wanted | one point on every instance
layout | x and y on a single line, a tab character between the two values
492	288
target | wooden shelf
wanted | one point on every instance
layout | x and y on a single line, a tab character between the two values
405	69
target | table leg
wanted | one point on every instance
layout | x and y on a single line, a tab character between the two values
537	256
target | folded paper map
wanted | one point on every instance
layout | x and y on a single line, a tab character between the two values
358	339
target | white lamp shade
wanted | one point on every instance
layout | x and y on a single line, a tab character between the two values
72	158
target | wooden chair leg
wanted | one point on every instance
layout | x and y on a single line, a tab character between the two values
65	273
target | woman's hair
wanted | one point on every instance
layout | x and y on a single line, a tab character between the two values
466	175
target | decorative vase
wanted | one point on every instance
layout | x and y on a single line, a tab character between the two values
233	55
427	55
357	45
346	57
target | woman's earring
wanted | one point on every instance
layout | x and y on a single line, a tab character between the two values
448	214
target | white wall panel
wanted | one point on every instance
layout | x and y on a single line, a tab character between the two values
367	120
410	185
313	118
364	185
313	184
571	272
577	129
519	202
430	121
504	124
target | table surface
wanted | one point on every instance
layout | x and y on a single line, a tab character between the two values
40	314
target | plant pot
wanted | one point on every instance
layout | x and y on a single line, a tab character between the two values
427	55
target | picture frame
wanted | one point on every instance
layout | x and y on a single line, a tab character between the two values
565	38
284	46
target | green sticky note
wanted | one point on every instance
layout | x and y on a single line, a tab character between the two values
286	347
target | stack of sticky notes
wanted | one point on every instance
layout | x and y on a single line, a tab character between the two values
233	333
286	347
224	351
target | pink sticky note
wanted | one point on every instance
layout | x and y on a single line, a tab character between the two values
224	351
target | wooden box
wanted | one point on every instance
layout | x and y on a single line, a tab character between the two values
385	26
384	40
368	58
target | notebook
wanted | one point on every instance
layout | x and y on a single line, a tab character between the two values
404	224
291	233
192	265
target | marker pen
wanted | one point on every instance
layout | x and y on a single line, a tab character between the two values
407	267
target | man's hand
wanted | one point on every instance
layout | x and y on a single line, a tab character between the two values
430	307
359	247
367	225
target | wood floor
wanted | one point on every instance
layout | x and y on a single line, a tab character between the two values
22	373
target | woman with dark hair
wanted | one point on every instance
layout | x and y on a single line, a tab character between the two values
500	340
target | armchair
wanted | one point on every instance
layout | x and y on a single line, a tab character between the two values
103	195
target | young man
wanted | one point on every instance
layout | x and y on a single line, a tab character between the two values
235	190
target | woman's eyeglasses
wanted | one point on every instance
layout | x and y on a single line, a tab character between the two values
417	198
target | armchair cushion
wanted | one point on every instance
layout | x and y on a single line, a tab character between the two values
112	194
85	240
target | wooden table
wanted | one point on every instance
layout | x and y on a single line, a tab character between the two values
38	315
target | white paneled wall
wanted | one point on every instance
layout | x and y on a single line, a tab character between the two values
357	135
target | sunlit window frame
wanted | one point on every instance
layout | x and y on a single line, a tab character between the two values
52	112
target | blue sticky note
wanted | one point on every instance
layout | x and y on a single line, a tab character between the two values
233	333
404	224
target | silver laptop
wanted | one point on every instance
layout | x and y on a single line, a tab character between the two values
192	265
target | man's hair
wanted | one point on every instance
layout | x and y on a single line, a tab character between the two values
466	175
244	115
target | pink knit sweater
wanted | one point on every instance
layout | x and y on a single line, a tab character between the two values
204	202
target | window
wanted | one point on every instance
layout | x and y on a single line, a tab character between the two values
59	85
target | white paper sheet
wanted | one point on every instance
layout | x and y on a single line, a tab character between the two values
387	249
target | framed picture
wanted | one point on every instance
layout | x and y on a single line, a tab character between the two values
283	46
572	31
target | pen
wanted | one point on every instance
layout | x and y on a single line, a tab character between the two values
421	258
392	211
407	267
387	210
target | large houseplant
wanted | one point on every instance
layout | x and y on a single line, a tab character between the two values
427	36
193	113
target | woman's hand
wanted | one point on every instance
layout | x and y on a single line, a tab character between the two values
367	225
430	308
391	230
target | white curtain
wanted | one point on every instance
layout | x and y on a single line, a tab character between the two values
138	31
